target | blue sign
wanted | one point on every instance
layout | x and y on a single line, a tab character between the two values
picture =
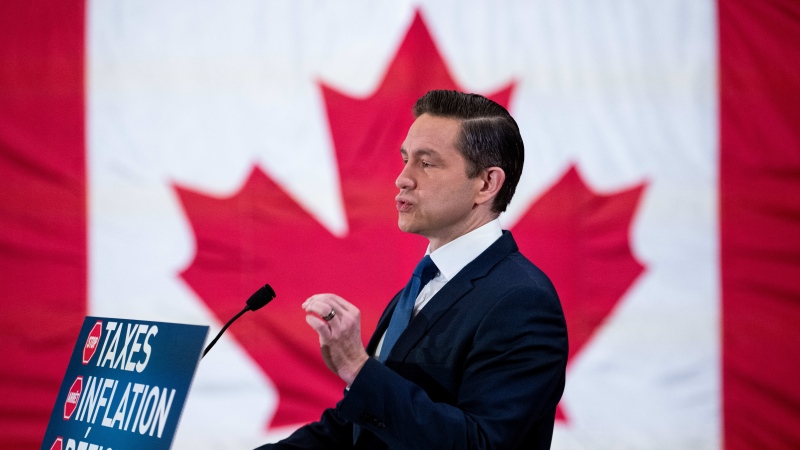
125	386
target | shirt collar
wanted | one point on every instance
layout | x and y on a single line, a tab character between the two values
453	256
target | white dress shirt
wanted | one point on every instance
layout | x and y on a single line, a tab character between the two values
450	259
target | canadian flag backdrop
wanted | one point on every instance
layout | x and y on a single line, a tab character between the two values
161	160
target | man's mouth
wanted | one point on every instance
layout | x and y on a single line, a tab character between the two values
403	205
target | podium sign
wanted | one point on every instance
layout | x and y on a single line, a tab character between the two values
125	385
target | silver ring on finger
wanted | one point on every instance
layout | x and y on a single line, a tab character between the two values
330	315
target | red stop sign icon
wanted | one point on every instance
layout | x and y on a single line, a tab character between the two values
58	444
72	397
92	341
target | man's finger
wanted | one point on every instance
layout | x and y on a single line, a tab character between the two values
323	310
337	302
340	304
320	326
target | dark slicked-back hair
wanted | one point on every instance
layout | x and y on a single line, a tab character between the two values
489	136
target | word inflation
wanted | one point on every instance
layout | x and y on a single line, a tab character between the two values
128	352
141	408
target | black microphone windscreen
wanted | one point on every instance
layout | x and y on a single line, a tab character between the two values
260	298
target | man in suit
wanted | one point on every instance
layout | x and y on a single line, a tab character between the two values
472	353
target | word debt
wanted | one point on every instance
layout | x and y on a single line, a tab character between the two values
141	408
73	445
124	346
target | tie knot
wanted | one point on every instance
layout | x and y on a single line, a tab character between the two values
426	269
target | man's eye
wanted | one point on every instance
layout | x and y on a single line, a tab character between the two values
426	164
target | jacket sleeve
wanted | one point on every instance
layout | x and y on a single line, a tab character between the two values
330	432
513	377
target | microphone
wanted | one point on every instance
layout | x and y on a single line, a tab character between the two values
256	301
261	297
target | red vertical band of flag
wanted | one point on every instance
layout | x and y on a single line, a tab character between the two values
43	268
759	214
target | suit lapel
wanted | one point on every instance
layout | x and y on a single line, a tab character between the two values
449	295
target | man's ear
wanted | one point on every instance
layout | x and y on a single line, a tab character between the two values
492	180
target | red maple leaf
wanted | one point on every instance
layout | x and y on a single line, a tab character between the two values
581	241
261	234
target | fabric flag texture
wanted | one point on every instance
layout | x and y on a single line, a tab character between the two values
162	160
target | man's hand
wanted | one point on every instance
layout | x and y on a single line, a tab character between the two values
339	337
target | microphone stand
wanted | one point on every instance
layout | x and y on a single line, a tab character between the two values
214	341
260	298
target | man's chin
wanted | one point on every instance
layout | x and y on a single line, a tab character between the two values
407	226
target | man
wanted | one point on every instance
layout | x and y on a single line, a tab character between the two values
472	353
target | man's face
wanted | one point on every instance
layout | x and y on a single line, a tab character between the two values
436	198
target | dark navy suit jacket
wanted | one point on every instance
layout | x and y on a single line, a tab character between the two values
481	366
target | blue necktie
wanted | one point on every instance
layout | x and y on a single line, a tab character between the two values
423	273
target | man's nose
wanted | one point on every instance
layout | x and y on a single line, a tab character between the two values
405	180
